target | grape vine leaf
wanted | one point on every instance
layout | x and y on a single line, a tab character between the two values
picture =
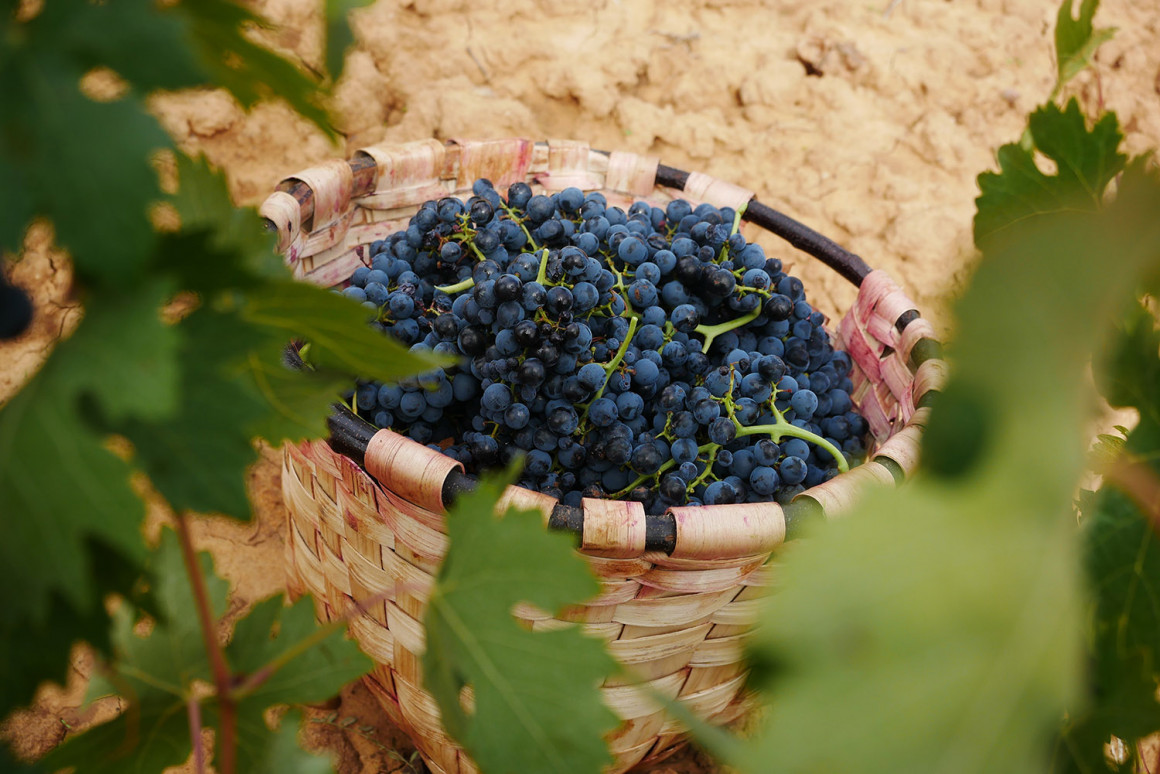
1123	566
245	252
283	754
304	664
95	185
249	71
339	36
537	704
1131	372
939	628
336	328
153	732
59	485
1086	161
138	376
155	673
197	458
1076	40
32	651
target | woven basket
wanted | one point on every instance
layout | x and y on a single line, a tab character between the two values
680	591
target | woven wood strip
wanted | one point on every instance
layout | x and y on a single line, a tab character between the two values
903	448
503	162
931	375
915	332
613	528
694	582
410	469
839	499
719	193
526	500
283	210
331	183
728	530
631	174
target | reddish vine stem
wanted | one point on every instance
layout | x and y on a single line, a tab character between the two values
227	744
194	709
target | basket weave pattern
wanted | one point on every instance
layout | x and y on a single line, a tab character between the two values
367	543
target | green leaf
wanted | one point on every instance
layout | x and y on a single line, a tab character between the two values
537	704
339	36
153	673
299	401
939	628
243	251
145	42
1075	39
250	72
280	752
312	663
1086	161
1131	372
1123	567
59	487
336	328
197	458
304	664
125	356
96	184
36	651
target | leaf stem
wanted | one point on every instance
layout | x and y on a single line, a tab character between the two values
217	657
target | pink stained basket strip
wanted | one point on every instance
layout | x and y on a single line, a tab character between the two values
918	330
503	162
285	213
719	193
568	165
631	174
406	165
331	183
613	528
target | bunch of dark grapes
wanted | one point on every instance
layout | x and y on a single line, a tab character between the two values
652	354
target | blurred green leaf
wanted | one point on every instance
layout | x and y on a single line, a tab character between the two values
280	752
197	459
251	72
339	36
243	251
1131	370
336	328
954	603
537	706
95	185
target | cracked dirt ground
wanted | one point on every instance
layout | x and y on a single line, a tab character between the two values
866	120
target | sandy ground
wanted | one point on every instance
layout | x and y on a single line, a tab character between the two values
867	120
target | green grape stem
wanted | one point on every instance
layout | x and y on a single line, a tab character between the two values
781	429
542	274
612	364
711	448
711	332
457	287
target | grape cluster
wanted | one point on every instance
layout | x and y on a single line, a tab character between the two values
652	354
